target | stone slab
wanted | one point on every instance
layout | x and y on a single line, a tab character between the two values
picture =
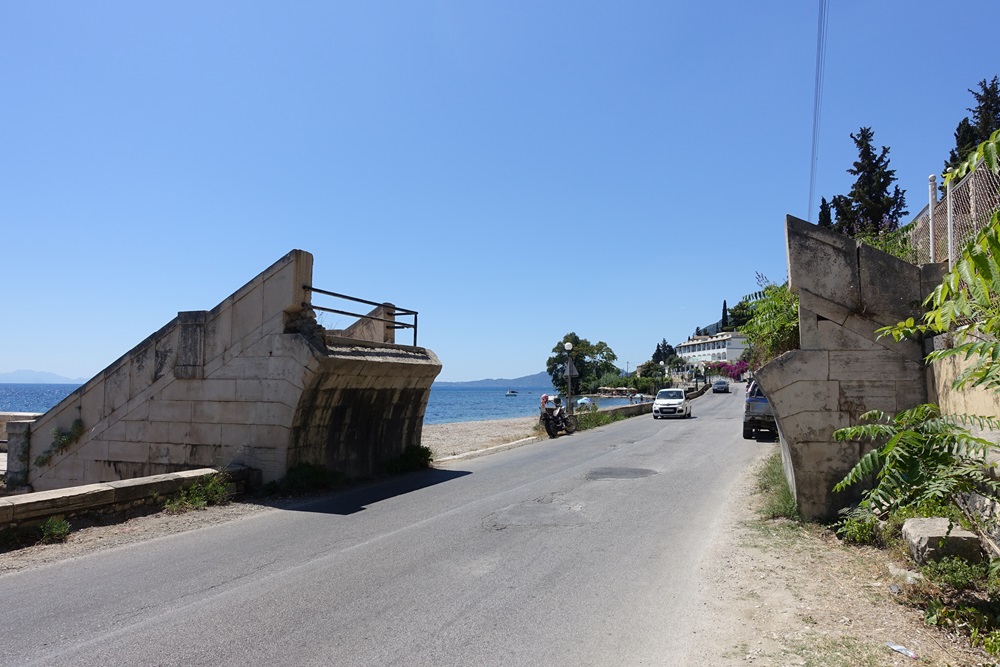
49	503
930	539
809	247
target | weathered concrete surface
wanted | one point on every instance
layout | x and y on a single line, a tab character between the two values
846	291
934	538
32	508
250	382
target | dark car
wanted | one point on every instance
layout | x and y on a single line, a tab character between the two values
720	387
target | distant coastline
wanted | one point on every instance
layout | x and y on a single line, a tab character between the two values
37	377
537	380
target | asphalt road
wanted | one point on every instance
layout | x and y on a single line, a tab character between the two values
583	550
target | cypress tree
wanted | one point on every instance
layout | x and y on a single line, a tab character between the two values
870	207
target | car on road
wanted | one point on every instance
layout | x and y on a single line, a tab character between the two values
758	416
720	387
671	403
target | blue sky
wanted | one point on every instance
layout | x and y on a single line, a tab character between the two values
511	170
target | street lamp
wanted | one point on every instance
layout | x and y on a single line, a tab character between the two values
664	364
569	378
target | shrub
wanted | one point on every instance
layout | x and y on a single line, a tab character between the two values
54	529
955	572
779	501
858	526
210	490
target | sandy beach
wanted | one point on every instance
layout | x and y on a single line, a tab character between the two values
459	438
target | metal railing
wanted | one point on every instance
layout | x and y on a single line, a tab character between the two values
391	311
940	230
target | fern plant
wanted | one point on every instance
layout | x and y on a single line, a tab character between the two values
923	456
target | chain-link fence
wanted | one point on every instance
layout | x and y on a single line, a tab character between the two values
967	207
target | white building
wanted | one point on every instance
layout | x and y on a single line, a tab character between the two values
725	346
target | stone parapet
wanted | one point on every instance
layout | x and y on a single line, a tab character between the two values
846	291
238	384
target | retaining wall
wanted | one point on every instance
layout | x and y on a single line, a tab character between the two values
252	382
846	291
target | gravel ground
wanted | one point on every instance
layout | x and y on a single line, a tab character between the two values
779	594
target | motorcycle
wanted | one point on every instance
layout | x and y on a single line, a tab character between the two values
555	419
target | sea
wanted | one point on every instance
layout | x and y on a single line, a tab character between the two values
446	404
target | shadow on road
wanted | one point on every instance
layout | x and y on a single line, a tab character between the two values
358	498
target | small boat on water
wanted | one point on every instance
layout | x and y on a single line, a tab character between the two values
511	392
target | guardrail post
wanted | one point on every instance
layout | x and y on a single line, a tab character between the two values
951	226
932	201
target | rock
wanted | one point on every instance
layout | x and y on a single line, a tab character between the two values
930	539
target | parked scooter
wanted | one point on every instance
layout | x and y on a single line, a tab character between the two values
556	419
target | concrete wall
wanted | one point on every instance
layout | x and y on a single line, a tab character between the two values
218	387
846	291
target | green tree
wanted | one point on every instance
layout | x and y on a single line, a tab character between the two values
724	324
870	207
774	327
984	122
740	314
592	360
825	215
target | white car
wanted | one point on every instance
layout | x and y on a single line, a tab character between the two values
671	403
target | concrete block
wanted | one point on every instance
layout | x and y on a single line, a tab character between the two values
860	396
138	431
116	431
808	329
236	435
874	364
797	365
204	434
230	412
273	413
805	396
931	275
242	368
141	366
280	291
248	313
813	426
833	336
116	388
60	501
130	490
133	452
830	310
217	390
250	390
911	393
272	435
934	538
809	247
6	512
94	450
181	391
191	476
218	334
273	324
890	287
176	411
92	404
166	354
204	455
864	327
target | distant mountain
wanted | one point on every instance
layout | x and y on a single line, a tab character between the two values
537	380
37	377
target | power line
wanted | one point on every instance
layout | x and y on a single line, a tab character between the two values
824	12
